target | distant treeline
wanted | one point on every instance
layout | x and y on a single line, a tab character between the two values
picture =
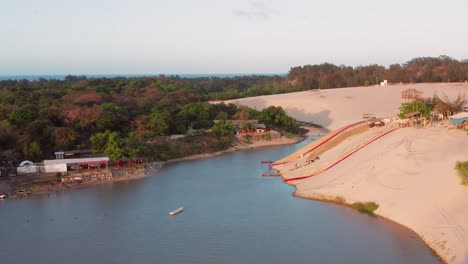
327	75
426	69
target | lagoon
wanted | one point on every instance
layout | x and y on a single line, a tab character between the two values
232	215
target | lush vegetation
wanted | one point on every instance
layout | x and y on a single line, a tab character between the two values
365	207
442	105
120	117
462	169
415	106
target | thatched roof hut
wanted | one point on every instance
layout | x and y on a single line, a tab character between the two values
412	114
411	94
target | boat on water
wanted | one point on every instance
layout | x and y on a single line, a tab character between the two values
176	211
2	196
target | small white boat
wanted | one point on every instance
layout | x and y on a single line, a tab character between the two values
176	211
2	196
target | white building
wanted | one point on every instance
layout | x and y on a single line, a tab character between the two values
65	159
26	167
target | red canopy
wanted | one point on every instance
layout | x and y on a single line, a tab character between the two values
93	162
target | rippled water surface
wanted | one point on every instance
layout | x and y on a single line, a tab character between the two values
232	215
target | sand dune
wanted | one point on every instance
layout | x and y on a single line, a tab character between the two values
409	172
334	108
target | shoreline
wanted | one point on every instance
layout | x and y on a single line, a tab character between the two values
322	199
357	183
140	173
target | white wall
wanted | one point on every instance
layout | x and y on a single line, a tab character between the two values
56	167
27	169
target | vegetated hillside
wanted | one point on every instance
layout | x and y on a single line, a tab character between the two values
121	117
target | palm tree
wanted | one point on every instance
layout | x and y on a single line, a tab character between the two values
447	107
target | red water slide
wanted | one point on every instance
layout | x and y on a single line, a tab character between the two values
325	141
340	160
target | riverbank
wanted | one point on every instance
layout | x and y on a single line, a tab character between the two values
282	141
47	184
340	202
409	173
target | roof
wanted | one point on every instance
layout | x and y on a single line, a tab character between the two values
69	161
411	114
412	91
74	152
240	122
459	115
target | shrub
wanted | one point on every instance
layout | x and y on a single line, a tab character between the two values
462	169
365	207
340	200
202	124
248	138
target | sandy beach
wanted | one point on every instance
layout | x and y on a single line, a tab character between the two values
409	172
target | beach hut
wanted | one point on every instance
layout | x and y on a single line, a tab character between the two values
412	115
459	118
411	94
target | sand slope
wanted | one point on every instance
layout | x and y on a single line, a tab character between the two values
334	108
409	173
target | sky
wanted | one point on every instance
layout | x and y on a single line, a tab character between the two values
221	36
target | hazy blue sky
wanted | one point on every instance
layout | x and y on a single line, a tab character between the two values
220	36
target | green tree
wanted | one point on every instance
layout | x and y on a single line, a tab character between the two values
415	106
115	147
197	111
247	125
22	115
277	117
223	128
133	147
222	116
158	123
113	117
108	143
99	141
33	151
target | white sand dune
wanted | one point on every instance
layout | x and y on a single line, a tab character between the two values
334	108
409	172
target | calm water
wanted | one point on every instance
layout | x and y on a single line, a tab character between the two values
232	215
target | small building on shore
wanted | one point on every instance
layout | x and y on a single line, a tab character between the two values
75	159
28	167
411	94
459	118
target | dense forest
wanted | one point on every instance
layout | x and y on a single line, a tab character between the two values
122	117
130	117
